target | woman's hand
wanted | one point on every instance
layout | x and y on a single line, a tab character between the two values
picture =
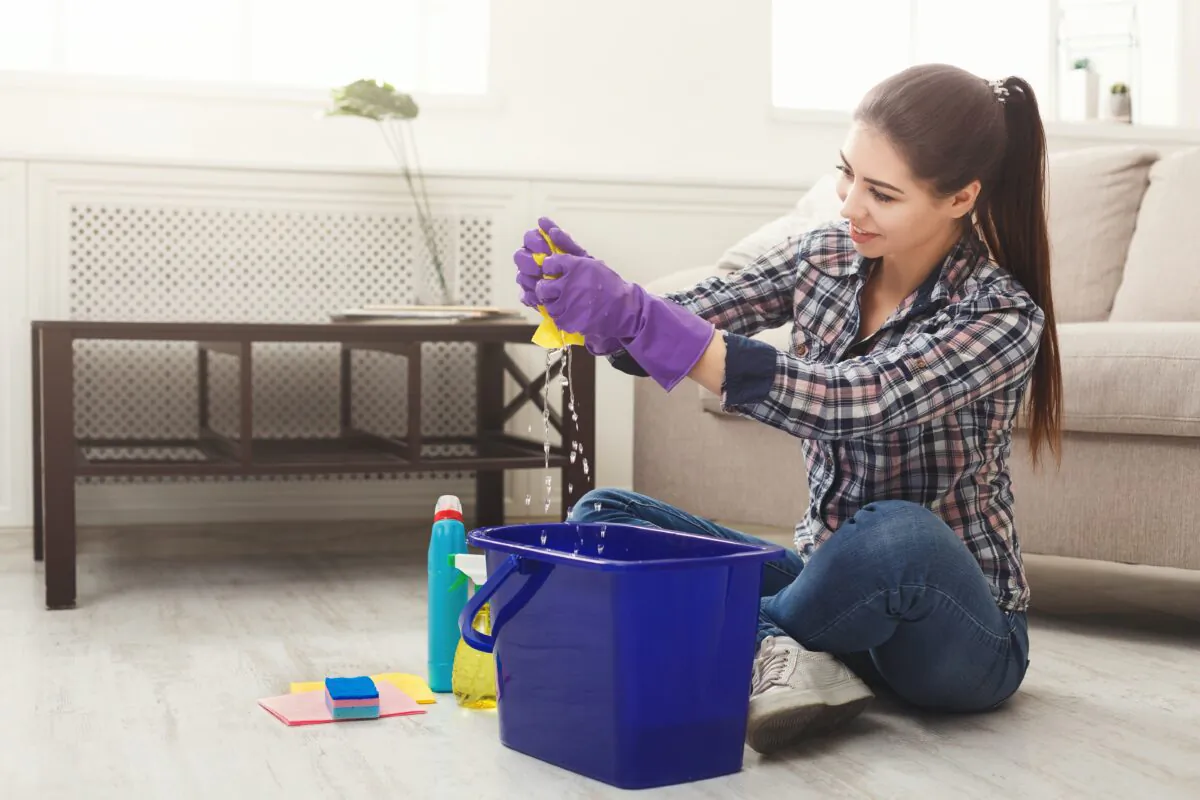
528	271
529	275
584	295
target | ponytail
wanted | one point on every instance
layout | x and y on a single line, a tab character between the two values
1012	220
953	127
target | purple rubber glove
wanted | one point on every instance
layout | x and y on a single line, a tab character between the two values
529	274
663	337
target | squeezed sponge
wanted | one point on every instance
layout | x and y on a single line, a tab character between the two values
352	698
548	334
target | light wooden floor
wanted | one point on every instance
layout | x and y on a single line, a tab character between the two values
148	689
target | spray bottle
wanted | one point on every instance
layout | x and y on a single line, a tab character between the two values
446	596
474	676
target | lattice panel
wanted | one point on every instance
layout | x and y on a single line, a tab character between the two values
263	265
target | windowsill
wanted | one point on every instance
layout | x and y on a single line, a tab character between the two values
1100	129
315	98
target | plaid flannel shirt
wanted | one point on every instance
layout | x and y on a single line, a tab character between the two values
922	410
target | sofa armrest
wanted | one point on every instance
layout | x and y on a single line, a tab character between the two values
1131	377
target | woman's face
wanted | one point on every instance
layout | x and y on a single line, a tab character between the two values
890	212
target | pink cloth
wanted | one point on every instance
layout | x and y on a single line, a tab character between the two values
308	708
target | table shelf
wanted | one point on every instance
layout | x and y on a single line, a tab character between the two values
356	453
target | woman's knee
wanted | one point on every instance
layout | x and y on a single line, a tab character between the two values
598	504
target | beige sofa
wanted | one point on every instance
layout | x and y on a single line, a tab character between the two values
1126	283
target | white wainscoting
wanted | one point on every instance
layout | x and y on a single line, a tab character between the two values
15	406
644	229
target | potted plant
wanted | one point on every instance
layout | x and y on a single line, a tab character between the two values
1120	106
1081	92
393	112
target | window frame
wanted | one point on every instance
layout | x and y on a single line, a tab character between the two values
237	91
1179	134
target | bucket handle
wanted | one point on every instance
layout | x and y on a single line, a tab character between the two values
466	620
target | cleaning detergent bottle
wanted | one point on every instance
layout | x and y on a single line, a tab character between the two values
447	594
474	678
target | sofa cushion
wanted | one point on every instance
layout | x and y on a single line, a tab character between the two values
1131	377
680	280
1094	196
1124	378
1093	199
1162	273
819	204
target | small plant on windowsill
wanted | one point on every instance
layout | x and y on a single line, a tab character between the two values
1119	105
1079	95
393	112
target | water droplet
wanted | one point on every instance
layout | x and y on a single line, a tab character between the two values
596	507
549	480
600	549
528	500
546	506
529	429
570	488
574	455
585	467
543	537
603	530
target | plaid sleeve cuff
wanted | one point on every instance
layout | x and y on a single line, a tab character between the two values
623	362
750	367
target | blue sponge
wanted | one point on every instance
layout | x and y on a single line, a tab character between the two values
361	688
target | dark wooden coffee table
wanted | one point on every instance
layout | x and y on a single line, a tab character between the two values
59	457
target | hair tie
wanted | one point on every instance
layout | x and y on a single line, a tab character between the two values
999	90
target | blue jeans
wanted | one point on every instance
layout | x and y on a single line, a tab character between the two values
894	594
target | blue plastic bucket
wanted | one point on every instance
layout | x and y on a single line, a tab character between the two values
622	653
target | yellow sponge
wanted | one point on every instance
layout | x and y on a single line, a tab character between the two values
548	335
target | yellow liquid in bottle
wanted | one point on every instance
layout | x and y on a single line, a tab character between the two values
474	674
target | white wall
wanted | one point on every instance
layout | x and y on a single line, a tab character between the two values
680	90
663	90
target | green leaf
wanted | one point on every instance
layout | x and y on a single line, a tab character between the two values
371	99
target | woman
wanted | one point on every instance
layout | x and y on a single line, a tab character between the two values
922	323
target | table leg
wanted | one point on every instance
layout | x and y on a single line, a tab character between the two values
36	382
58	427
489	411
246	395
579	425
345	386
202	383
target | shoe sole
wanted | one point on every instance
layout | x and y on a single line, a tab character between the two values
773	729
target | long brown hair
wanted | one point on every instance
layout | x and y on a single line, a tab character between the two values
953	127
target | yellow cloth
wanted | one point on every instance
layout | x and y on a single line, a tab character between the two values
411	685
548	335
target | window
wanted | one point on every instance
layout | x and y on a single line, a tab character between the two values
827	53
427	46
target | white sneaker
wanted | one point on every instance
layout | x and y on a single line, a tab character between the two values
795	692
